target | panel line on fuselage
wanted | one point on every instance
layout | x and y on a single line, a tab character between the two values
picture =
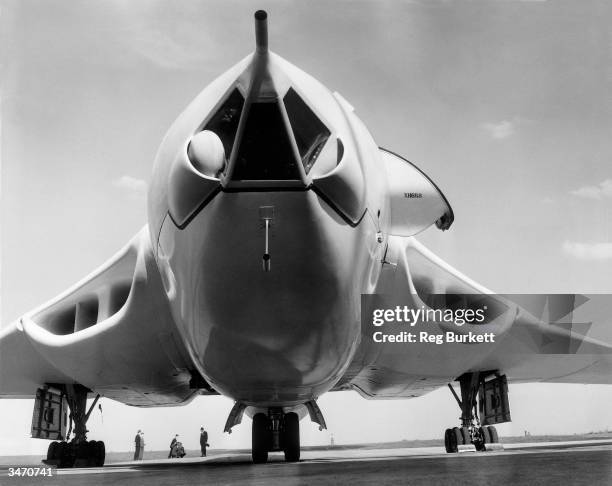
312	187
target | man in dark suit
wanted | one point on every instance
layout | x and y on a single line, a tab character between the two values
203	441
142	446
137	445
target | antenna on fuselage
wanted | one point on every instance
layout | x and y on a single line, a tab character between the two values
266	217
261	31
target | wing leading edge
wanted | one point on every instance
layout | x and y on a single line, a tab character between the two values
112	333
537	338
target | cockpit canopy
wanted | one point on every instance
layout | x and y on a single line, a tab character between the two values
278	139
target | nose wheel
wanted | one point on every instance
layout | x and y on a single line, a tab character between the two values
290	438
276	431
261	438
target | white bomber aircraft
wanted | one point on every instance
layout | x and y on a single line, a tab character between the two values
270	212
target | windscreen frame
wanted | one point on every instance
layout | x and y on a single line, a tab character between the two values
301	183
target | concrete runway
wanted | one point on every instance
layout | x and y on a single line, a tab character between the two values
567	463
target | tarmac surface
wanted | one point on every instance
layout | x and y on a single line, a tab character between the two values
566	463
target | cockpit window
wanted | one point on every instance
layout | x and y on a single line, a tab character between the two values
265	149
225	121
310	133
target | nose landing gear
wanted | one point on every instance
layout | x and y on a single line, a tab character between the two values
276	431
275	428
261	438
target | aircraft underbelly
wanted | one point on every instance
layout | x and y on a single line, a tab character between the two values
280	336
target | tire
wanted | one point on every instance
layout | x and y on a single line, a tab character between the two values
66	455
480	439
458	435
452	441
260	436
486	436
52	451
100	453
456	438
447	440
86	450
465	435
291	437
82	450
493	434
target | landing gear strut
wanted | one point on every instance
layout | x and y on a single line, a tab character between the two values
471	432
276	431
78	452
275	428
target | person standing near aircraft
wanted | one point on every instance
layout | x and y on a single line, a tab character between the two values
137	446
172	444
142	446
203	441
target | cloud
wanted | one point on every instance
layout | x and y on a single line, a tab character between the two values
601	191
165	51
501	130
135	188
505	128
167	37
588	251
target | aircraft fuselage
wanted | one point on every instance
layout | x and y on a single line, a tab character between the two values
282	336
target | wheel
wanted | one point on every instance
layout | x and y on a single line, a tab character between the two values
465	435
52	451
81	450
493	434
291	437
81	454
92	450
456	439
480	439
66	455
261	438
458	435
100	453
95	453
486	437
452	441
447	440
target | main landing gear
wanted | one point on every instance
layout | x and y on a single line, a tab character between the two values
79	452
493	406
276	431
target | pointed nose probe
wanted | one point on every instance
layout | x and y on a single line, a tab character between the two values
261	31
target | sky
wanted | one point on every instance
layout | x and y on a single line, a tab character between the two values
507	105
